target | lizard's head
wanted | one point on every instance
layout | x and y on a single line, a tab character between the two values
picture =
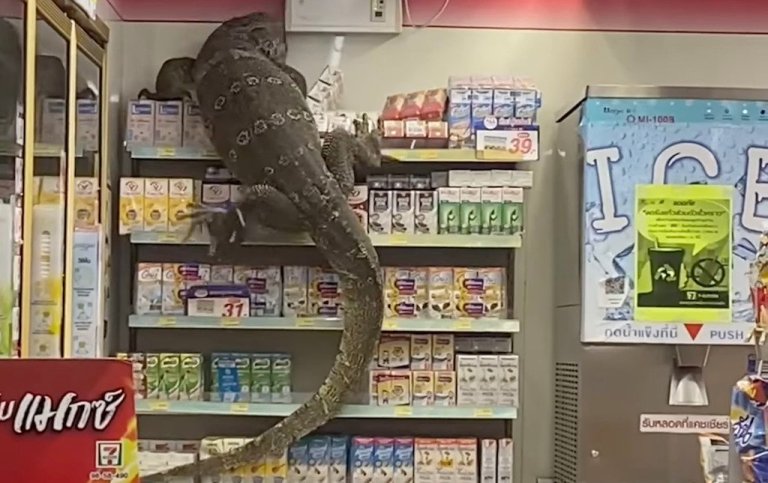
262	31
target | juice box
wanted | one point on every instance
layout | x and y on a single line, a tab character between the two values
86	202
468	376
281	378
170	367
131	205
181	196
87	125
191	385
261	378
153	376
156	204
403	460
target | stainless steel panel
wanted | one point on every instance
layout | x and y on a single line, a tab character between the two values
601	390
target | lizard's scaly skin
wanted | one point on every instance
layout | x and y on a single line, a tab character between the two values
266	136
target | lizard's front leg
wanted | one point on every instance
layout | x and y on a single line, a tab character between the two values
226	226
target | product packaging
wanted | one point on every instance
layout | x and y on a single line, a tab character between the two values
156	204
380	212
131	205
168	124
140	123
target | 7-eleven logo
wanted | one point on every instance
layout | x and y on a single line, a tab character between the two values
109	454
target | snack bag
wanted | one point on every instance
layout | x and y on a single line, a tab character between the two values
748	427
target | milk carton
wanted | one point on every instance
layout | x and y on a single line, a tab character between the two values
403	460
448	451
277	468
231	377
222	274
490	375
491	210
358	201
173	289
471	210
468	377
405	292
153	376
131	205
442	352
170	367
505	461
88	126
298	461
337	471
508	383
318	461
383	460
86	202
181	197
466	461
380	212
421	352
156	204
427	460
141	123
324	293
195	135
295	295
423	388
191	377
449	210
168	124
488	461
512	210
445	388
361	460
261	378
265	287
394	351
53	126
149	291
440	290
425	217
403	212
459	112
281	378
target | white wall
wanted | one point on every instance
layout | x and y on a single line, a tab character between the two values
562	63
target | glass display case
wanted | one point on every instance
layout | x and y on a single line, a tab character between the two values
53	190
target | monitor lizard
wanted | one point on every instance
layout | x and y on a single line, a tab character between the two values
266	136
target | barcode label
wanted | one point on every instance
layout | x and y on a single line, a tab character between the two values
495	142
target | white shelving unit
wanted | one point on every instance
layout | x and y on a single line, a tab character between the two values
307	336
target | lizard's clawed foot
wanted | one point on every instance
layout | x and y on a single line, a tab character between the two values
226	225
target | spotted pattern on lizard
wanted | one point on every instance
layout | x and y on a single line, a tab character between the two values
285	159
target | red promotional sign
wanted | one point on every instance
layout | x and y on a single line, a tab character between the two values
68	421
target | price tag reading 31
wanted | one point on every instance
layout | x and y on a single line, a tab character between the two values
227	307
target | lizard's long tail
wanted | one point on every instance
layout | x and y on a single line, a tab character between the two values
340	237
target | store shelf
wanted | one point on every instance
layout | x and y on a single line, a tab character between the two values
502	326
424	241
41	150
203	408
179	154
401	155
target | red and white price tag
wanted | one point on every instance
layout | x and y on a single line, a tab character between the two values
231	307
512	145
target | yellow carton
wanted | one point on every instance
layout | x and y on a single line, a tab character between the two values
131	205
50	190
156	204
86	202
181	196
